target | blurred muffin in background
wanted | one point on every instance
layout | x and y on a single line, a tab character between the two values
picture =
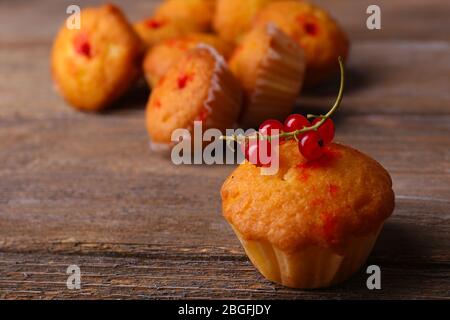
314	30
270	67
176	18
160	58
199	13
234	18
155	29
95	65
199	87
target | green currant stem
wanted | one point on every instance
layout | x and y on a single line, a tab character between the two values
294	134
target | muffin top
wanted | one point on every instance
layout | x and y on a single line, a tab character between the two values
324	202
234	18
314	30
179	98
156	29
95	64
159	59
196	12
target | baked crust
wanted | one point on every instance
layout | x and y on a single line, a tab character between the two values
153	30
234	18
200	13
159	59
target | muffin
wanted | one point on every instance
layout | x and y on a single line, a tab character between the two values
199	13
314	30
314	223
96	64
234	18
159	59
270	67
156	29
197	88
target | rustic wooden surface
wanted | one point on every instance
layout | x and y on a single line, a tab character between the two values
85	189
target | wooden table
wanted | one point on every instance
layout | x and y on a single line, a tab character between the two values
86	190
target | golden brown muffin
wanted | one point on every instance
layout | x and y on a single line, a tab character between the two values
234	18
313	224
196	12
314	30
197	88
95	65
156	29
270	67
159	59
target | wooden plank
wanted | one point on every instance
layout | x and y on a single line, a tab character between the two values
187	272
400	19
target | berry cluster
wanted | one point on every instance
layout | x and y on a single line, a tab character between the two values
310	143
312	136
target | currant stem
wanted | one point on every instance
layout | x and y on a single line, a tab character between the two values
294	134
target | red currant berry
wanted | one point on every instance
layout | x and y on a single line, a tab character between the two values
154	23
268	127
326	131
82	45
257	152
311	146
296	122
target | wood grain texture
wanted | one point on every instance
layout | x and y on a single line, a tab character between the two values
86	190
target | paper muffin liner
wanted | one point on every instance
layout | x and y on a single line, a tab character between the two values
279	82
224	102
312	267
222	106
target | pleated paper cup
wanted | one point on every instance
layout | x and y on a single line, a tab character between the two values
312	267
